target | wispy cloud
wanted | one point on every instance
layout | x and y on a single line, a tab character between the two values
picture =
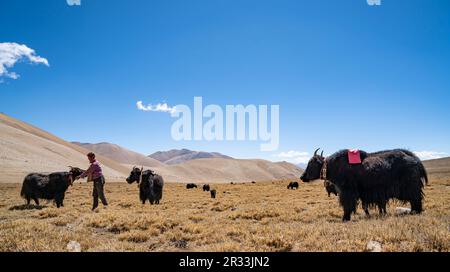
293	156
160	107
74	2
11	53
430	155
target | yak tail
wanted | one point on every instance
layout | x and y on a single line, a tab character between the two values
423	173
22	191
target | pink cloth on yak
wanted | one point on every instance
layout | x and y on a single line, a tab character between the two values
354	156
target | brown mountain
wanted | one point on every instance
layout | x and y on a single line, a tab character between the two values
439	168
220	170
120	154
25	148
177	156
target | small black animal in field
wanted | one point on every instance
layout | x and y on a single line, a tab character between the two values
191	186
331	189
52	186
206	188
253	182
213	193
293	185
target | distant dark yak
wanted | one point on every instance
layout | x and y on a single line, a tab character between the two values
330	188
213	193
150	185
206	188
191	186
293	185
381	176
49	186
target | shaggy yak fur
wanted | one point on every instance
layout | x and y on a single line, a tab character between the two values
293	185
393	174
48	186
150	185
206	188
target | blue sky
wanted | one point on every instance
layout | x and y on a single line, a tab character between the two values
345	74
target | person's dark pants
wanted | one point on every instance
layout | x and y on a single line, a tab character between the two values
98	192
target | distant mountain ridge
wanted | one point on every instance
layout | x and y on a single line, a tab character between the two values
178	156
120	154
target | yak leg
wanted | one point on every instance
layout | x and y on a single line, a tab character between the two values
28	200
61	200
349	203
382	207
416	206
366	209
36	200
58	200
347	215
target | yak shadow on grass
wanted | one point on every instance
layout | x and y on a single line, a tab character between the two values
27	207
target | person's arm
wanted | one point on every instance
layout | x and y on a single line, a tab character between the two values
87	172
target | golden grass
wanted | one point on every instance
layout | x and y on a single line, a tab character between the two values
244	217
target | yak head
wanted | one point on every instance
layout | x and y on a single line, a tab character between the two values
135	175
312	171
74	172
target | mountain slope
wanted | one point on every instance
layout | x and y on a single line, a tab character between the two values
176	156
120	154
219	170
25	148
439	168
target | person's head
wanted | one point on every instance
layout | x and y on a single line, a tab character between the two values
91	157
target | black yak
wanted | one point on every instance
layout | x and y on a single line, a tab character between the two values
293	185
48	186
213	193
381	176
150	185
206	188
191	186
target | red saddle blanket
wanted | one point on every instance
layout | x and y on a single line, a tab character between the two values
354	156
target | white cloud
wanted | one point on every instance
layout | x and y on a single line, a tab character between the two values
158	107
430	155
74	2
295	157
11	53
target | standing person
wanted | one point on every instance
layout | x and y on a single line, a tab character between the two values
95	174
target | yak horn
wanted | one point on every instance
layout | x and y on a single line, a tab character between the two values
315	152
321	154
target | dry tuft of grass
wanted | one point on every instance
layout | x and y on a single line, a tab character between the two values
249	217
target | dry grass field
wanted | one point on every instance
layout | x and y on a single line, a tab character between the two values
244	217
